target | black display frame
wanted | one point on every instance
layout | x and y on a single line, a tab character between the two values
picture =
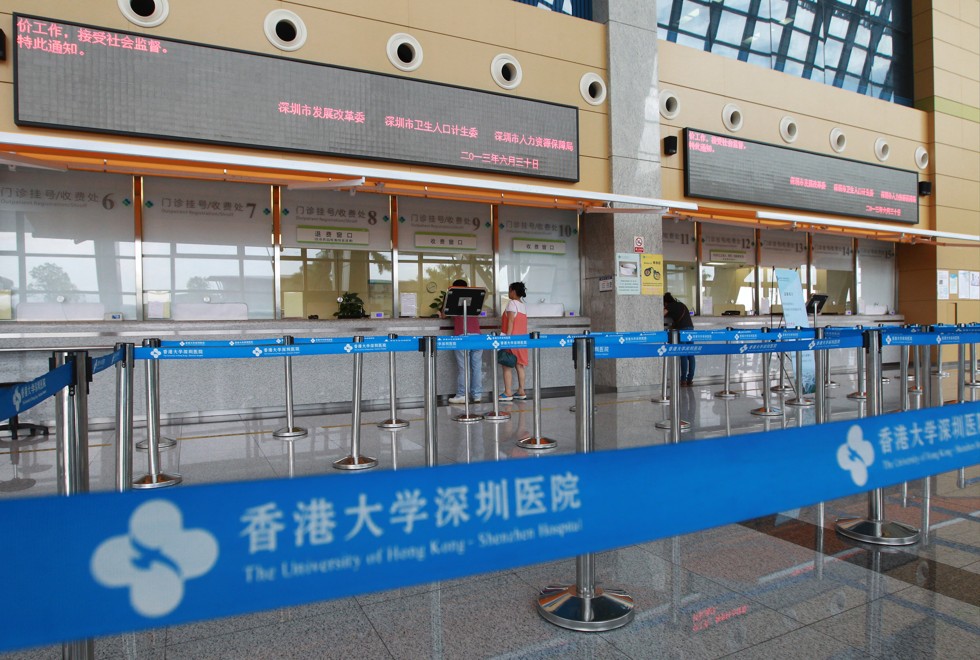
275	148
813	209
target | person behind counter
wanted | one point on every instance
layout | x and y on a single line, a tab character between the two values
680	319
476	358
514	322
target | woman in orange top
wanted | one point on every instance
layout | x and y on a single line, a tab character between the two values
514	322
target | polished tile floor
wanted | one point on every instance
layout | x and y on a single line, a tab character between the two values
780	586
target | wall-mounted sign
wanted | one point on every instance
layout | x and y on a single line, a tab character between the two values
81	77
627	273
425	225
431	240
728	256
539	246
332	219
334	236
653	278
736	170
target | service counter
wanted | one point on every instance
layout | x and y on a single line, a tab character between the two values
748	367
191	390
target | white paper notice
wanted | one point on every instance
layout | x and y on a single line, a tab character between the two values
954	283
965	293
942	284
409	304
154	309
707	307
975	285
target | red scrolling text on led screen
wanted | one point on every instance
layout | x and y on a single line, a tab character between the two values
87	78
736	170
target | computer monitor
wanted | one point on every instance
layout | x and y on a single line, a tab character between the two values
456	296
815	303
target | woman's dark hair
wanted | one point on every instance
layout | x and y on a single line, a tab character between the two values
519	288
669	299
459	283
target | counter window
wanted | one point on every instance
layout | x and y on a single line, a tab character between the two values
779	249
334	244
207	252
680	260
66	246
832	272
438	242
875	277
728	270
540	248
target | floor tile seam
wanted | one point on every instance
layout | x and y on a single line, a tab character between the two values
934	613
377	633
915	557
429	591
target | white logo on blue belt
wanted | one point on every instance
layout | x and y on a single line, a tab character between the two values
856	456
155	558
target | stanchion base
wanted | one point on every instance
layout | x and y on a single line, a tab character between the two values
607	610
355	463
781	390
496	417
468	419
165	443
536	443
858	396
726	394
666	424
157	481
941	374
290	432
767	412
800	402
832	384
660	399
393	424
880	532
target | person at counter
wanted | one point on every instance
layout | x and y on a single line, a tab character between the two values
475	357
679	317
514	322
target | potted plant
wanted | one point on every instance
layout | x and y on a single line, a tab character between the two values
351	307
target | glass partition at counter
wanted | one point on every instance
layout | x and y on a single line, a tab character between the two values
332	244
779	249
727	270
207	252
681	261
439	242
832	272
876	281
67	249
540	248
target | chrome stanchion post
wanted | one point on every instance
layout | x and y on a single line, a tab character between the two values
974	373
821	363
428	347
290	431
124	418
726	392
155	478
393	422
926	383
584	606
467	417
862	387
875	529
903	390
782	387
766	410
960	372
71	413
799	400
496	415
536	440
830	384
354	460
664	396
916	388
674	424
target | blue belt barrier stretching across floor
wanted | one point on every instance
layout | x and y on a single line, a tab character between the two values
99	564
18	399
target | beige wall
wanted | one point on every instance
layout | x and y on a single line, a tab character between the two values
947	87
459	39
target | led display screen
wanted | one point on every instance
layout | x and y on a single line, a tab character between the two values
736	170
80	77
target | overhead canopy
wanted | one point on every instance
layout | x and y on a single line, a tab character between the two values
63	153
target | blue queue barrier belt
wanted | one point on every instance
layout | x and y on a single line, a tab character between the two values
345	347
103	362
145	560
18	399
221	342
